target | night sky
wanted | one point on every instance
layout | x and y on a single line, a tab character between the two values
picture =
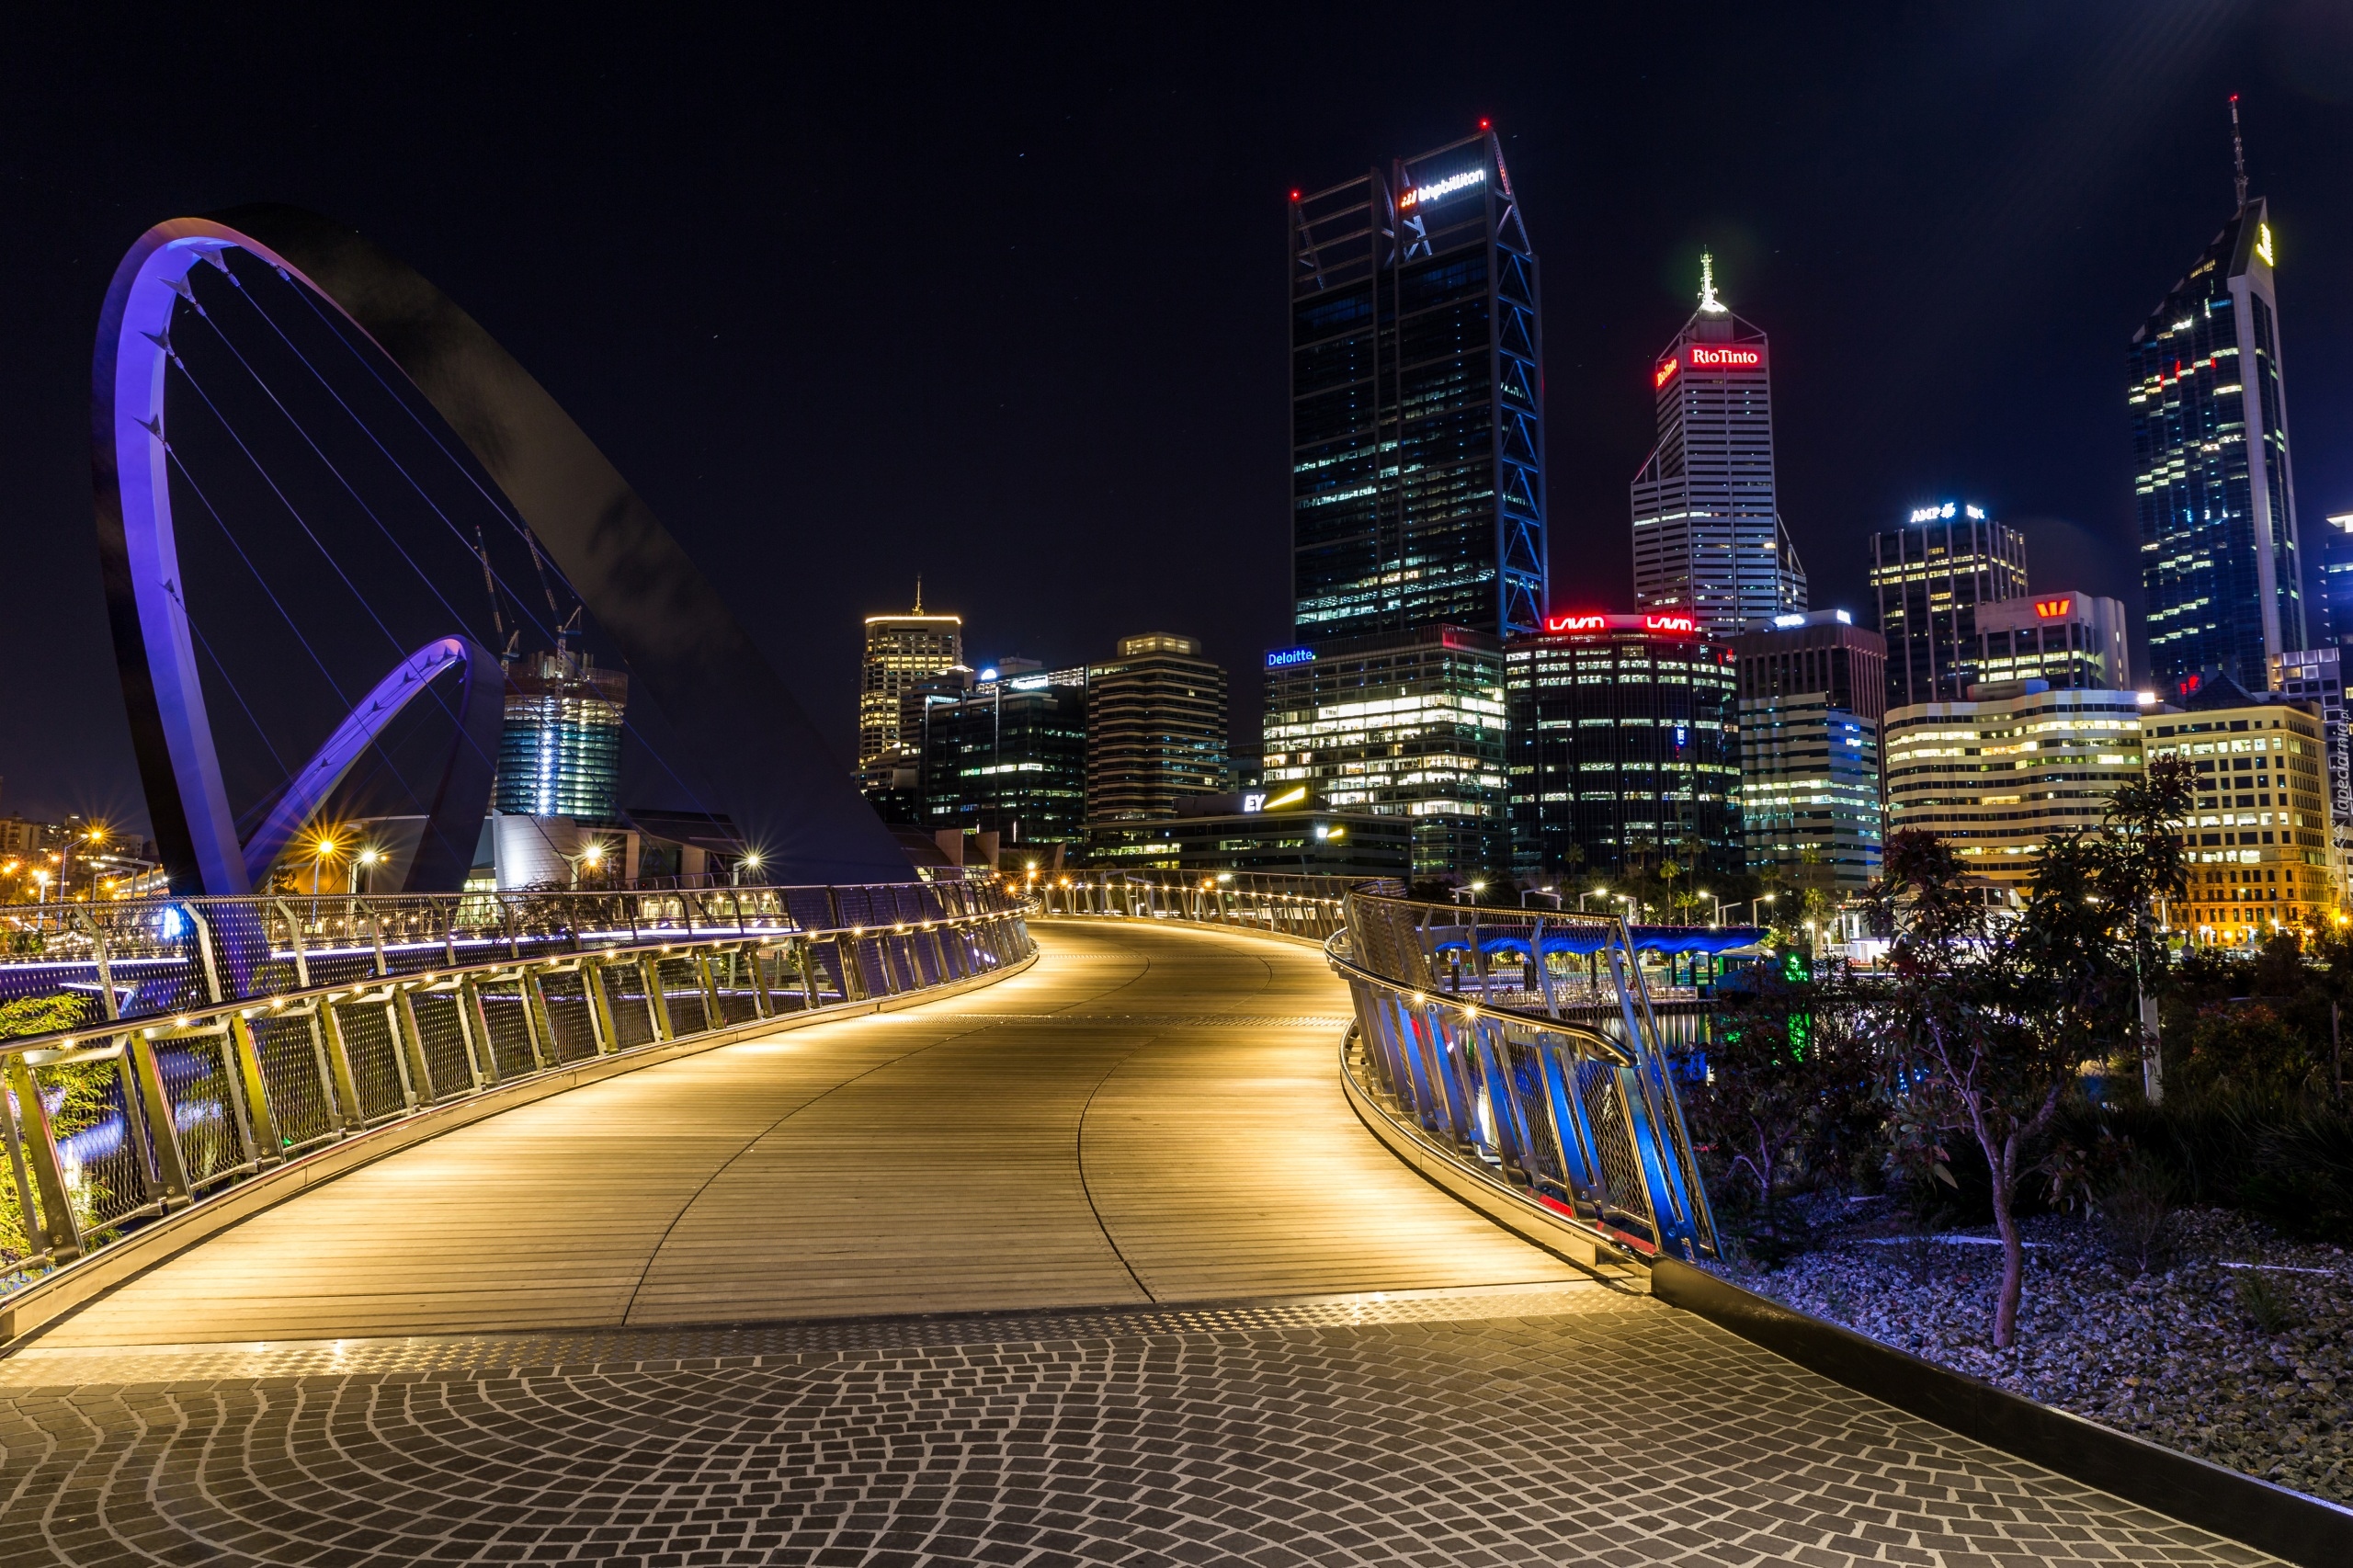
1004	302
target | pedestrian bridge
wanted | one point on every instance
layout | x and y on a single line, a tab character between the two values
1149	1113
1085	1254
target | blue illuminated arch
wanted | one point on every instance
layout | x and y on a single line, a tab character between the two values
740	728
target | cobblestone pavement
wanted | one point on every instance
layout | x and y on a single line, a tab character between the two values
1547	1423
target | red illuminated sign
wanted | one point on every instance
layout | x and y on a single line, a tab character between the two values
1671	625
1658	377
1704	357
2052	610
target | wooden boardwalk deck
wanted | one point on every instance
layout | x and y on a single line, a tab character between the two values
1151	1113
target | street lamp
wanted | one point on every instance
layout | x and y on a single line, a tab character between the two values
324	850
366	862
1750	903
1597	892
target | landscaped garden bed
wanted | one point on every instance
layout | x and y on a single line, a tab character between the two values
2232	1346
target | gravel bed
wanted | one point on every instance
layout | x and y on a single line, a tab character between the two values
2175	1355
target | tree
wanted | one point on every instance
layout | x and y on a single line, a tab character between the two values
85	1089
1994	1024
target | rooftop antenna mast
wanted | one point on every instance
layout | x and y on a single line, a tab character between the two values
918	593
1708	301
2239	151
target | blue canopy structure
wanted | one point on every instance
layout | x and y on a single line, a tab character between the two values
1581	941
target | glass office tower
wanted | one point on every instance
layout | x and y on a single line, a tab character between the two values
1810	693
1624	750
1930	576
1417	402
560	752
2221	570
1407	726
1708	533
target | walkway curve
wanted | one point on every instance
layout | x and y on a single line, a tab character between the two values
510	1343
1151	1113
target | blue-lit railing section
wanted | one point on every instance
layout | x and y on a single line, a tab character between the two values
1478	1026
193	1042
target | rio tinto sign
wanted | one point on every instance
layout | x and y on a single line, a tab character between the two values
1727	356
1669	624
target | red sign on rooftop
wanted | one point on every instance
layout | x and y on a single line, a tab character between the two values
1667	623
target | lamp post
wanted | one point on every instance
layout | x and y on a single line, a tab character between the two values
1751	902
1597	892
363	869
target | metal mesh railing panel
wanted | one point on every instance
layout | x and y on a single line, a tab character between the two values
570	1026
625	1002
738	983
196	1081
440	1034
510	1028
105	1167
375	1068
682	990
300	1101
1621	1172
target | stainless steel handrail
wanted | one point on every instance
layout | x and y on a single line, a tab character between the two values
243	1032
1484	1062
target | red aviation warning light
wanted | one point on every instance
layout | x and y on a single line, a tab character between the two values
1483	124
2052	610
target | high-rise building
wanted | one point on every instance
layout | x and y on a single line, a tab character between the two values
2222	567
1409	727
1155	728
1623	751
2316	677
1009	756
2073	640
900	652
2332	607
1995	775
1708	533
1930	576
1417	401
2258	844
1812	695
560	754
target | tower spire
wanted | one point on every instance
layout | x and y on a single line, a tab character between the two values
1708	301
918	593
2239	151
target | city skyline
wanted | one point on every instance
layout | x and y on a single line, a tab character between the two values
1822	251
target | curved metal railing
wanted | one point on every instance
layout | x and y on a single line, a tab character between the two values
1309	907
215	1038
1464	1020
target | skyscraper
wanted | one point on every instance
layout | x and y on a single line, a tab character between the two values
1417	402
901	651
1708	533
2221	570
1930	576
1623	748
2329	621
1398	726
2075	641
1156	737
1810	693
559	753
